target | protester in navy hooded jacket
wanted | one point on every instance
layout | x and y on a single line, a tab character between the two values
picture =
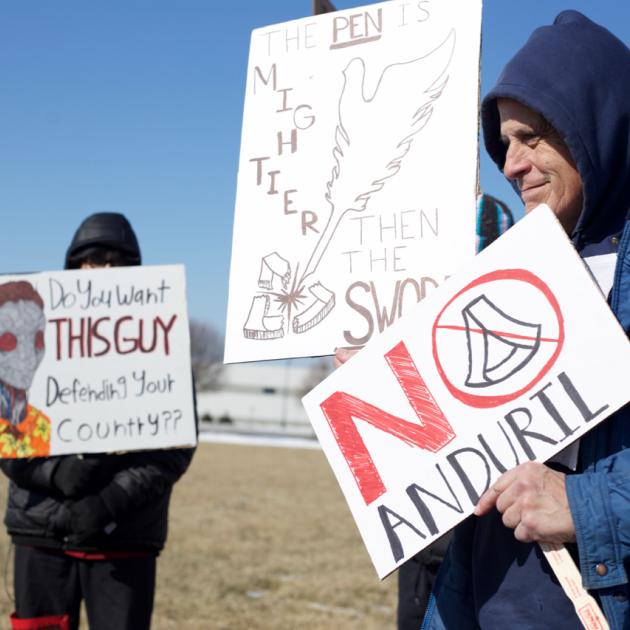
575	75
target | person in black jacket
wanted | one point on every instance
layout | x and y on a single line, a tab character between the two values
90	527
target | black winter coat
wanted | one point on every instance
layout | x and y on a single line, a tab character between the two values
135	487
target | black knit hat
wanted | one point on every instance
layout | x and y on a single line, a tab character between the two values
105	230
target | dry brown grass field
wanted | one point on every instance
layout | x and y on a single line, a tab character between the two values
260	538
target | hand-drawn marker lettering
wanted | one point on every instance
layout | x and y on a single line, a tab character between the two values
357	28
341	409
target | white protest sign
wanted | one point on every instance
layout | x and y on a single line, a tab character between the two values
94	361
509	361
357	176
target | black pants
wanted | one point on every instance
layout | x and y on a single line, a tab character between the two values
118	594
415	582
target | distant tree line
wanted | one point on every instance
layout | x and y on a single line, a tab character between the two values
206	353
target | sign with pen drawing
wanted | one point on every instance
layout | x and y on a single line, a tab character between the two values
357	176
94	361
507	362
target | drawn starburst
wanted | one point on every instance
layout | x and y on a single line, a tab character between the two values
293	298
289	299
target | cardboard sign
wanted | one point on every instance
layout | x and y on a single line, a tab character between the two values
94	361
357	177
509	361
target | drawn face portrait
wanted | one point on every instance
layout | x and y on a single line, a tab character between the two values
22	325
539	162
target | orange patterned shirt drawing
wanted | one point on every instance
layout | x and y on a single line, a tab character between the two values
29	438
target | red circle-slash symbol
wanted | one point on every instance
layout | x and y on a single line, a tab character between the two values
523	344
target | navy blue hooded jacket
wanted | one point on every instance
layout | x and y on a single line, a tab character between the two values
575	74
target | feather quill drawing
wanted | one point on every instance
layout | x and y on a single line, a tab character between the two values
375	132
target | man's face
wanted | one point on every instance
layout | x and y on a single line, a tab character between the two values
539	162
21	342
91	265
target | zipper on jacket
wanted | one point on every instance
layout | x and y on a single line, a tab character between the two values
428	613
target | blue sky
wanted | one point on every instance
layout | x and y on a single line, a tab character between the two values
135	106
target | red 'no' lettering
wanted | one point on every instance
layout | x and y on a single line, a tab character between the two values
341	409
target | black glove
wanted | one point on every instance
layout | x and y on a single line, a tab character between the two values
60	520
95	516
74	475
89	519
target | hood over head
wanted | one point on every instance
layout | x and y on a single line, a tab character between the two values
574	73
105	229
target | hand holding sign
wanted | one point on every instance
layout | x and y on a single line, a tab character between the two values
506	363
533	500
342	355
